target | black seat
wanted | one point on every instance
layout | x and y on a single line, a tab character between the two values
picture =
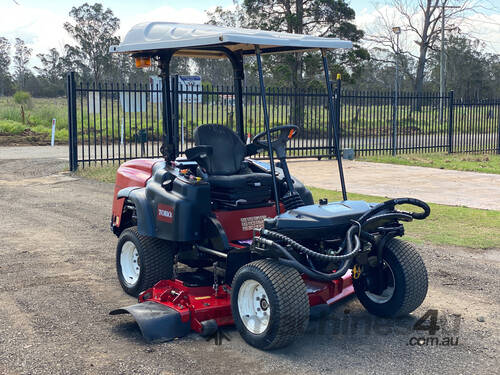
232	183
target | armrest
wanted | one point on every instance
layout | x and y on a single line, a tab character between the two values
199	154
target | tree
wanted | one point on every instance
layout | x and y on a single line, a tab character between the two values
5	78
51	65
326	18
227	17
94	32
220	71
50	75
420	21
217	72
21	59
378	73
470	71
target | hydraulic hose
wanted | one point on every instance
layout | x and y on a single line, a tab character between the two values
294	263
346	251
388	216
297	246
390	204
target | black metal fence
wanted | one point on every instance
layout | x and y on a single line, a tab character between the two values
112	122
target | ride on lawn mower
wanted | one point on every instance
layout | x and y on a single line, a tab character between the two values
215	237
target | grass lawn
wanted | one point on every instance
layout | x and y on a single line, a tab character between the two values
38	119
486	163
106	173
447	225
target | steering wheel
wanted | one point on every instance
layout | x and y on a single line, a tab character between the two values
286	132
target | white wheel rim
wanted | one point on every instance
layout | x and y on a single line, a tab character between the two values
388	292
254	307
129	262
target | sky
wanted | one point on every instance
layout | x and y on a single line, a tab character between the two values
40	23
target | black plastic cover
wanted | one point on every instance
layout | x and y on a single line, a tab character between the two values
157	322
320	222
171	206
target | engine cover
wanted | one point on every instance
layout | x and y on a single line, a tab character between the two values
318	222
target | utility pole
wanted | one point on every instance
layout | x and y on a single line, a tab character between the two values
441	68
396	30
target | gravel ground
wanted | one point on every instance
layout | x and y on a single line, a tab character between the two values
58	284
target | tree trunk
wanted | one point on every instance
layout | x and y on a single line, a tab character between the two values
419	79
427	31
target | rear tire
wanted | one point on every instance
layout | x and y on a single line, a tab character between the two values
142	261
269	303
407	282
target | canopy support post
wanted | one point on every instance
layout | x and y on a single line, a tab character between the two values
237	62
169	148
266	123
333	124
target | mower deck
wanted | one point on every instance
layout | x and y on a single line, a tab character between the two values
170	309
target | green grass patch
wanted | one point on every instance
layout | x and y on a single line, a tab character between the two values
61	134
486	163
10	127
446	225
39	113
106	173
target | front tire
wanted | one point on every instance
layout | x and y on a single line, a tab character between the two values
405	282
269	303
142	261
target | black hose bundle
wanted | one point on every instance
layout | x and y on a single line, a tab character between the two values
301	248
346	251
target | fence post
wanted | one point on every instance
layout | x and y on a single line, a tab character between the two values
498	132
450	122
395	123
338	113
175	111
329	130
72	131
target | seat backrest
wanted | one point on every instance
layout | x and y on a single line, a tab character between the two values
228	150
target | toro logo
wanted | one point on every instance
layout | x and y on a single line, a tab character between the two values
165	213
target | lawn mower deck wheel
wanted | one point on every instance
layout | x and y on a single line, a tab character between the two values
273	298
142	261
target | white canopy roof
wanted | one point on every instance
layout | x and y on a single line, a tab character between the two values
151	37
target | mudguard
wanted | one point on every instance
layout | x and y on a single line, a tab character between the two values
146	222
157	322
125	193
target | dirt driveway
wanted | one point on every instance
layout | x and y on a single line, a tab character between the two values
58	284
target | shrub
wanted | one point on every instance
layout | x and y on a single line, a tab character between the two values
23	98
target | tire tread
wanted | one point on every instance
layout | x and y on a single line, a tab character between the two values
157	261
415	274
292	308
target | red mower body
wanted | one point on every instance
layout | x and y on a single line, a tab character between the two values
132	173
254	241
196	305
